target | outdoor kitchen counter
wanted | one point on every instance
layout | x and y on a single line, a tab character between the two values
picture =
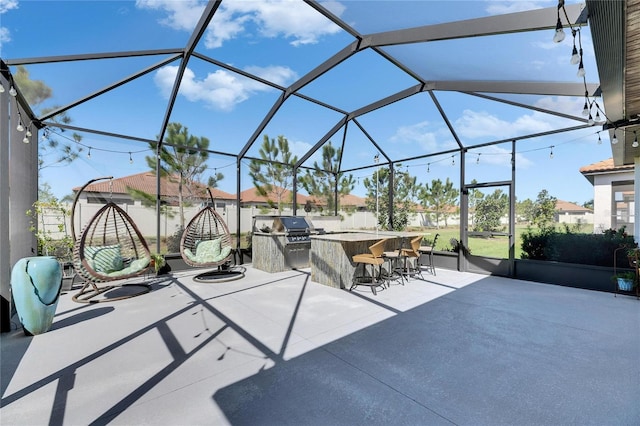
331	254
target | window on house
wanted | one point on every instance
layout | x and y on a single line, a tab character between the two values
622	209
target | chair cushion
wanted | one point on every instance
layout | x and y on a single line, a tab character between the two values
104	259
208	252
133	268
208	249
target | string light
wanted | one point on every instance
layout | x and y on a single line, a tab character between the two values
478	159
20	127
453	160
575	58
12	91
1	88
25	139
635	140
559	35
428	167
599	139
615	138
130	158
551	152
89	154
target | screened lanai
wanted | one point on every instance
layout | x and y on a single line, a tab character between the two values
468	91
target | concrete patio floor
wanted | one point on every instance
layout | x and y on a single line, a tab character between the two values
274	349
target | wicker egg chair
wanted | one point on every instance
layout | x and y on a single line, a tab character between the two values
206	243
109	250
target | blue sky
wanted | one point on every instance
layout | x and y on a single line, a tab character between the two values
281	42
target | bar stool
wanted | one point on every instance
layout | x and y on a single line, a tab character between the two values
427	251
395	269
412	252
374	258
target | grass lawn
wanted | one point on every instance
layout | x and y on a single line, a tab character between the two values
489	247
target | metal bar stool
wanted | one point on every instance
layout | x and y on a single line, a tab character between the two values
374	258
412	252
395	261
427	251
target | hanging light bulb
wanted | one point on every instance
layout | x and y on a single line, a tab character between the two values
581	71
130	159
551	153
478	159
585	109
89	154
635	140
1	88
591	121
25	139
453	160
598	119
559	35
575	57
428	167
20	127
29	131
615	138
599	139
12	91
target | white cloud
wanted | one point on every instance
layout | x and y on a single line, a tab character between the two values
291	19
181	15
6	5
417	134
275	74
221	89
5	35
476	124
502	7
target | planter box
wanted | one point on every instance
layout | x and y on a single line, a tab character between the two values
446	260
566	274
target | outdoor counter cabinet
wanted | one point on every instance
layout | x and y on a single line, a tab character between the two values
331	254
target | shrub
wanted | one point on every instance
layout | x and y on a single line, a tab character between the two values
173	241
570	247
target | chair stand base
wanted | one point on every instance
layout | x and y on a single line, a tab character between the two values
90	290
371	281
220	275
368	281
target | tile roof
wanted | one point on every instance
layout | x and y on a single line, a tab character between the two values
251	196
566	206
146	181
604	166
345	200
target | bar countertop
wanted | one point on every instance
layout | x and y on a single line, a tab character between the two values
365	236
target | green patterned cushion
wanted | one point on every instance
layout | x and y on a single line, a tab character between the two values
135	267
207	250
104	259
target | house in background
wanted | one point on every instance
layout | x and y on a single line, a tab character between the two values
571	213
613	195
251	198
116	190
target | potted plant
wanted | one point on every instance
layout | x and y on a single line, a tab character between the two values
626	280
158	261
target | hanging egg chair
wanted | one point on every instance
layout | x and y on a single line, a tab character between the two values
109	250
206	243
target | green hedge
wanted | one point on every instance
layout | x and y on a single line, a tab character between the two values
569	247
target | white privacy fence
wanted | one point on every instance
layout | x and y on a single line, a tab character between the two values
146	220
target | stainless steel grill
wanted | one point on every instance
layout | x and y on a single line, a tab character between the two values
297	232
296	229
